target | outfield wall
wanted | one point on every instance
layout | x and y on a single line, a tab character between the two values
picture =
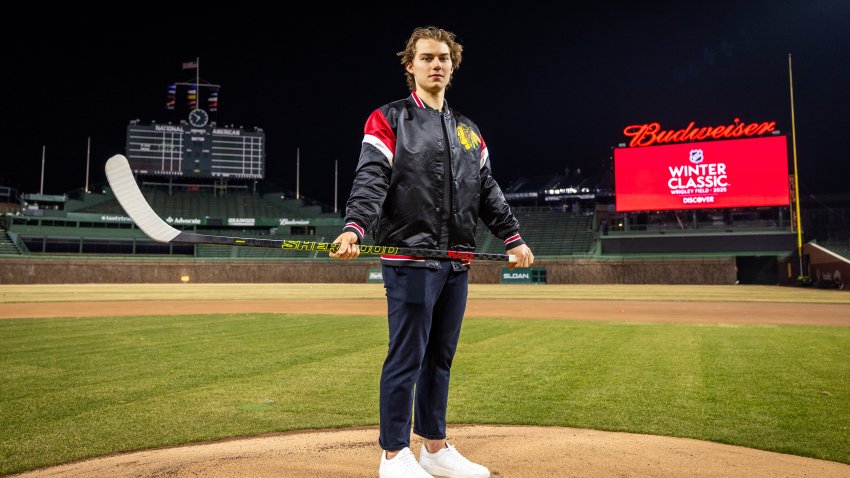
827	268
582	271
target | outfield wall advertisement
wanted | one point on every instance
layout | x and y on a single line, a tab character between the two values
714	174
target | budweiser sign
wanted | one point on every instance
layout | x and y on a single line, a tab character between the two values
651	134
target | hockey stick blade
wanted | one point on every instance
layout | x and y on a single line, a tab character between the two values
124	186
130	197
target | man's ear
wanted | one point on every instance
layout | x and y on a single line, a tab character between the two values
409	68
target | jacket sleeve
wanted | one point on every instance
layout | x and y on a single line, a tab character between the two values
372	177
494	209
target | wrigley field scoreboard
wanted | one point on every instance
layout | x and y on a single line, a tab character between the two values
196	151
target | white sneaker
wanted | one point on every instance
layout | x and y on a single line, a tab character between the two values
403	465
448	462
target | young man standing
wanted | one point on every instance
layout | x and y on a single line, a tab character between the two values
423	181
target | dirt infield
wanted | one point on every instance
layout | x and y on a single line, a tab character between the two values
509	452
619	311
516	452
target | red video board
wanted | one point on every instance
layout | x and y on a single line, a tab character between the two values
713	174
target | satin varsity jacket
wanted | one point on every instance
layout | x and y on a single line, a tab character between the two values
400	193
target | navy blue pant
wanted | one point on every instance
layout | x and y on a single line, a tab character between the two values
425	313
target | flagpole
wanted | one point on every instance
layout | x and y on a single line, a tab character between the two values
336	180
297	173
88	159
197	82
43	152
796	173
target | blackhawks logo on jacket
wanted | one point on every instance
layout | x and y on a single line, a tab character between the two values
467	136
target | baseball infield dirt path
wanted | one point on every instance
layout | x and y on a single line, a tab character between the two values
620	310
515	452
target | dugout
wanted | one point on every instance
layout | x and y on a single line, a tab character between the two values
757	270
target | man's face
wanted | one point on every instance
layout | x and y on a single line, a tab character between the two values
432	65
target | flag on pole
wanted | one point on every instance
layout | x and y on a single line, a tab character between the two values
213	100
188	65
172	97
192	96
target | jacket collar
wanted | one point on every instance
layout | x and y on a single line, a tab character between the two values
421	104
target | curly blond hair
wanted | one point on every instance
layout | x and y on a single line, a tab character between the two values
433	33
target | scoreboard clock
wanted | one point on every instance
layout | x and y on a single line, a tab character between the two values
198	118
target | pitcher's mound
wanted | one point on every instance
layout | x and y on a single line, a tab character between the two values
509	452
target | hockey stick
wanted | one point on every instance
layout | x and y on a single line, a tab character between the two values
130	197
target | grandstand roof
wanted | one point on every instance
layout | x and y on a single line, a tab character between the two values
539	186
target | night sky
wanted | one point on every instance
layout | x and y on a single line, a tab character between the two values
549	90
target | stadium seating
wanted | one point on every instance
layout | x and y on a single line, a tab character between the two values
209	251
7	246
203	204
548	233
839	247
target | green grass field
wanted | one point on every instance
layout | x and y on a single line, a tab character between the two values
76	388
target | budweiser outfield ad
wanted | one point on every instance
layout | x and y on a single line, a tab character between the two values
713	174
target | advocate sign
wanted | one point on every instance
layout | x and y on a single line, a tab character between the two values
712	174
